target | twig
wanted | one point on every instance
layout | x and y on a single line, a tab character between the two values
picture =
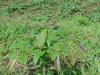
12	64
57	65
82	47
66	62
33	67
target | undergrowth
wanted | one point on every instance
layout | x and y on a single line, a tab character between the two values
41	37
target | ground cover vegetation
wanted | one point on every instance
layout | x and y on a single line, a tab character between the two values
49	37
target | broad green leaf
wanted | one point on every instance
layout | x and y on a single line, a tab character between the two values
67	51
51	67
41	38
52	54
13	54
38	74
24	58
21	44
38	55
72	59
58	46
51	38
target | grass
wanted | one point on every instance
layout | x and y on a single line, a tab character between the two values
62	41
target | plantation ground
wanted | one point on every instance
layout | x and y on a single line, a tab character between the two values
55	37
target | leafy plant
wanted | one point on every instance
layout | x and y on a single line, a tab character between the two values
67	44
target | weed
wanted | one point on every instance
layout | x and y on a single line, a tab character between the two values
49	37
